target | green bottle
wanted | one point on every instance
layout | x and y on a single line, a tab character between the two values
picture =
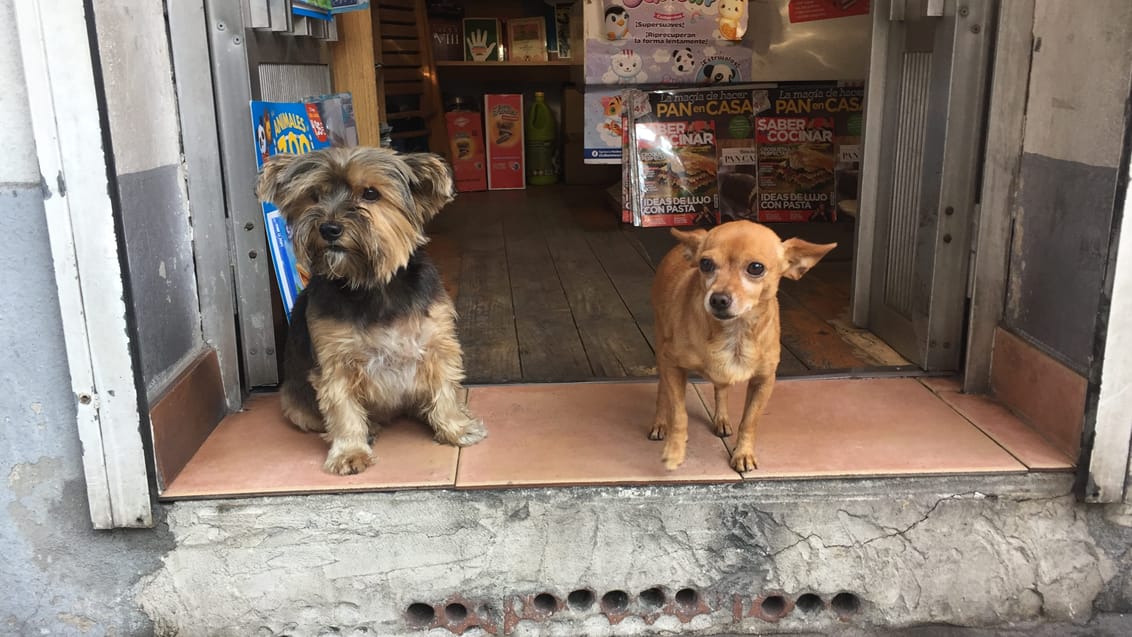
542	149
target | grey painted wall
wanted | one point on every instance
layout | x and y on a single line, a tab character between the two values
1060	252
1079	91
59	576
162	276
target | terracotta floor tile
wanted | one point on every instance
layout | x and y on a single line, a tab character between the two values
1026	444
257	451
593	433
864	427
940	384
1046	393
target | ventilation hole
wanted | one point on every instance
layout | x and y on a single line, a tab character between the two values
774	606
580	599
421	614
652	598
845	603
615	601
546	603
687	597
456	612
809	603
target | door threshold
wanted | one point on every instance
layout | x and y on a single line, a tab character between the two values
589	434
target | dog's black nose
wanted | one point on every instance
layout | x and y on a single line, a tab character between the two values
330	231
719	301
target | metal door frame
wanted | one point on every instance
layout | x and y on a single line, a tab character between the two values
241	37
956	211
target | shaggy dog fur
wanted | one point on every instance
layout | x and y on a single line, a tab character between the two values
373	335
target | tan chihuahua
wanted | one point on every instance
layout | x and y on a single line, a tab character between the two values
715	297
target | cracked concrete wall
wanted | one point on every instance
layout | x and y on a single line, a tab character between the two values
967	551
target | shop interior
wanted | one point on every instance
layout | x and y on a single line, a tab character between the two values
550	285
552	294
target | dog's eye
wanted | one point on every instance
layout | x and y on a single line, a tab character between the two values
756	269
707	265
371	194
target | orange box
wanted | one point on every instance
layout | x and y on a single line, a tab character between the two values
465	146
506	155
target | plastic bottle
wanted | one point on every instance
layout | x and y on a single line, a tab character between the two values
542	148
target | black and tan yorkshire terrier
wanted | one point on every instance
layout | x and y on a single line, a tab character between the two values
373	335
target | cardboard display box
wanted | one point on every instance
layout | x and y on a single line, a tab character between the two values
466	148
506	155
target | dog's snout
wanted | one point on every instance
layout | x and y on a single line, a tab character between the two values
719	301
330	230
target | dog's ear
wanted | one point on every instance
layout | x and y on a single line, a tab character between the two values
430	182
270	185
691	240
802	255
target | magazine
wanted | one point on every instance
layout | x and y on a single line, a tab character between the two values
296	127
676	173
780	152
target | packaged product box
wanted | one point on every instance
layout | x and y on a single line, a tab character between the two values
483	40
466	148
447	38
503	130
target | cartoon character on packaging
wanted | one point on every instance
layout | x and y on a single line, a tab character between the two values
717	73
625	67
264	137
610	126
731	16
683	62
616	23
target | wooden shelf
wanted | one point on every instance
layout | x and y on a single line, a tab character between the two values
407	115
517	73
506	64
407	134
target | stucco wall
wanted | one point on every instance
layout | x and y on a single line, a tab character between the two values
59	576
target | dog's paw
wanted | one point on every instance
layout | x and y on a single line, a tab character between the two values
673	454
464	434
345	463
473	432
722	428
658	432
743	462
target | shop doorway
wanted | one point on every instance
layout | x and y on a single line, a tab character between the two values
551	286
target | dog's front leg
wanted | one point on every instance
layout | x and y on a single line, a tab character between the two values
660	423
758	393
721	421
440	392
450	419
347	428
673	383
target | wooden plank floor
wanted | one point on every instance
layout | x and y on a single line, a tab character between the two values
549	286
